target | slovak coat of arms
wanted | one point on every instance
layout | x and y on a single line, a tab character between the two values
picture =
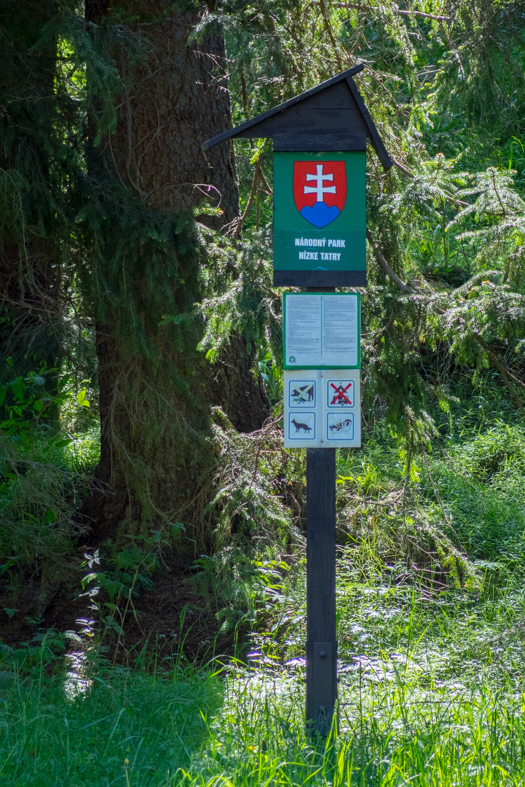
319	190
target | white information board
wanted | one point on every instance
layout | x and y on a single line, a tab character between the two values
322	408
321	330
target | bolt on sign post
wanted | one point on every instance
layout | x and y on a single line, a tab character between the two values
319	142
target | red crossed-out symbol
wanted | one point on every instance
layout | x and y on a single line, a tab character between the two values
340	394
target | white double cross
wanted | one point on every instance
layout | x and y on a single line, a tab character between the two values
319	190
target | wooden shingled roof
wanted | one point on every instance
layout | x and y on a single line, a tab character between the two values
330	116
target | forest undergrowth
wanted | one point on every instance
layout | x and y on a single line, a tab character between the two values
431	623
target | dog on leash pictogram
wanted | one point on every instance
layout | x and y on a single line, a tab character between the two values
301	426
319	190
340	393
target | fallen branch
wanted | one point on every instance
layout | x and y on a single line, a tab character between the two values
360	7
424	15
265	182
251	198
403	169
384	330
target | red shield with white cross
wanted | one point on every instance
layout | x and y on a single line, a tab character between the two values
319	190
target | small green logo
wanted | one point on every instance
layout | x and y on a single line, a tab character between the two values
291	359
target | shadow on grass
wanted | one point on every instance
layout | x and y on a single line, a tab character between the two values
130	728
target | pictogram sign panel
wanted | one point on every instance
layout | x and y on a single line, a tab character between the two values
302	393
340	394
340	427
301	426
322	409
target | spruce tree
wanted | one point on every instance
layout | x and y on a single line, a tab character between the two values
148	269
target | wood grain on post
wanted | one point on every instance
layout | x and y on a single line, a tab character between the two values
321	644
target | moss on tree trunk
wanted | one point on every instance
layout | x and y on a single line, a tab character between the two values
158	455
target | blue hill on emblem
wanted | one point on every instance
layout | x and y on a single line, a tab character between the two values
320	214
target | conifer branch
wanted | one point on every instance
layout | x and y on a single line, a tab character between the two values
453	49
409	174
406	288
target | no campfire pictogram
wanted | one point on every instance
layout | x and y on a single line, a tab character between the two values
340	395
302	393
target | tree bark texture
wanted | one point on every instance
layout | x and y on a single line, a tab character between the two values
171	105
235	387
157	452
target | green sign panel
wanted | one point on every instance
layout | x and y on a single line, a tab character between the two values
319	218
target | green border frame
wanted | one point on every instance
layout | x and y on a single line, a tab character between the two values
323	366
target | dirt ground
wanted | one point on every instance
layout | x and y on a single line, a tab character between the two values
170	621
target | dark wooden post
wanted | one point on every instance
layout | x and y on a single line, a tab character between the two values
321	643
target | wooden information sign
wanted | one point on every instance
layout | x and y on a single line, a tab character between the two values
319	142
327	124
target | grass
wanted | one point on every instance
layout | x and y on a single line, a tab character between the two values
128	728
431	693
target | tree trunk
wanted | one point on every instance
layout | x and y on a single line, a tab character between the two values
158	453
233	386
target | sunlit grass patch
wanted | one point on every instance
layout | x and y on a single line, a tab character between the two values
83	452
395	730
